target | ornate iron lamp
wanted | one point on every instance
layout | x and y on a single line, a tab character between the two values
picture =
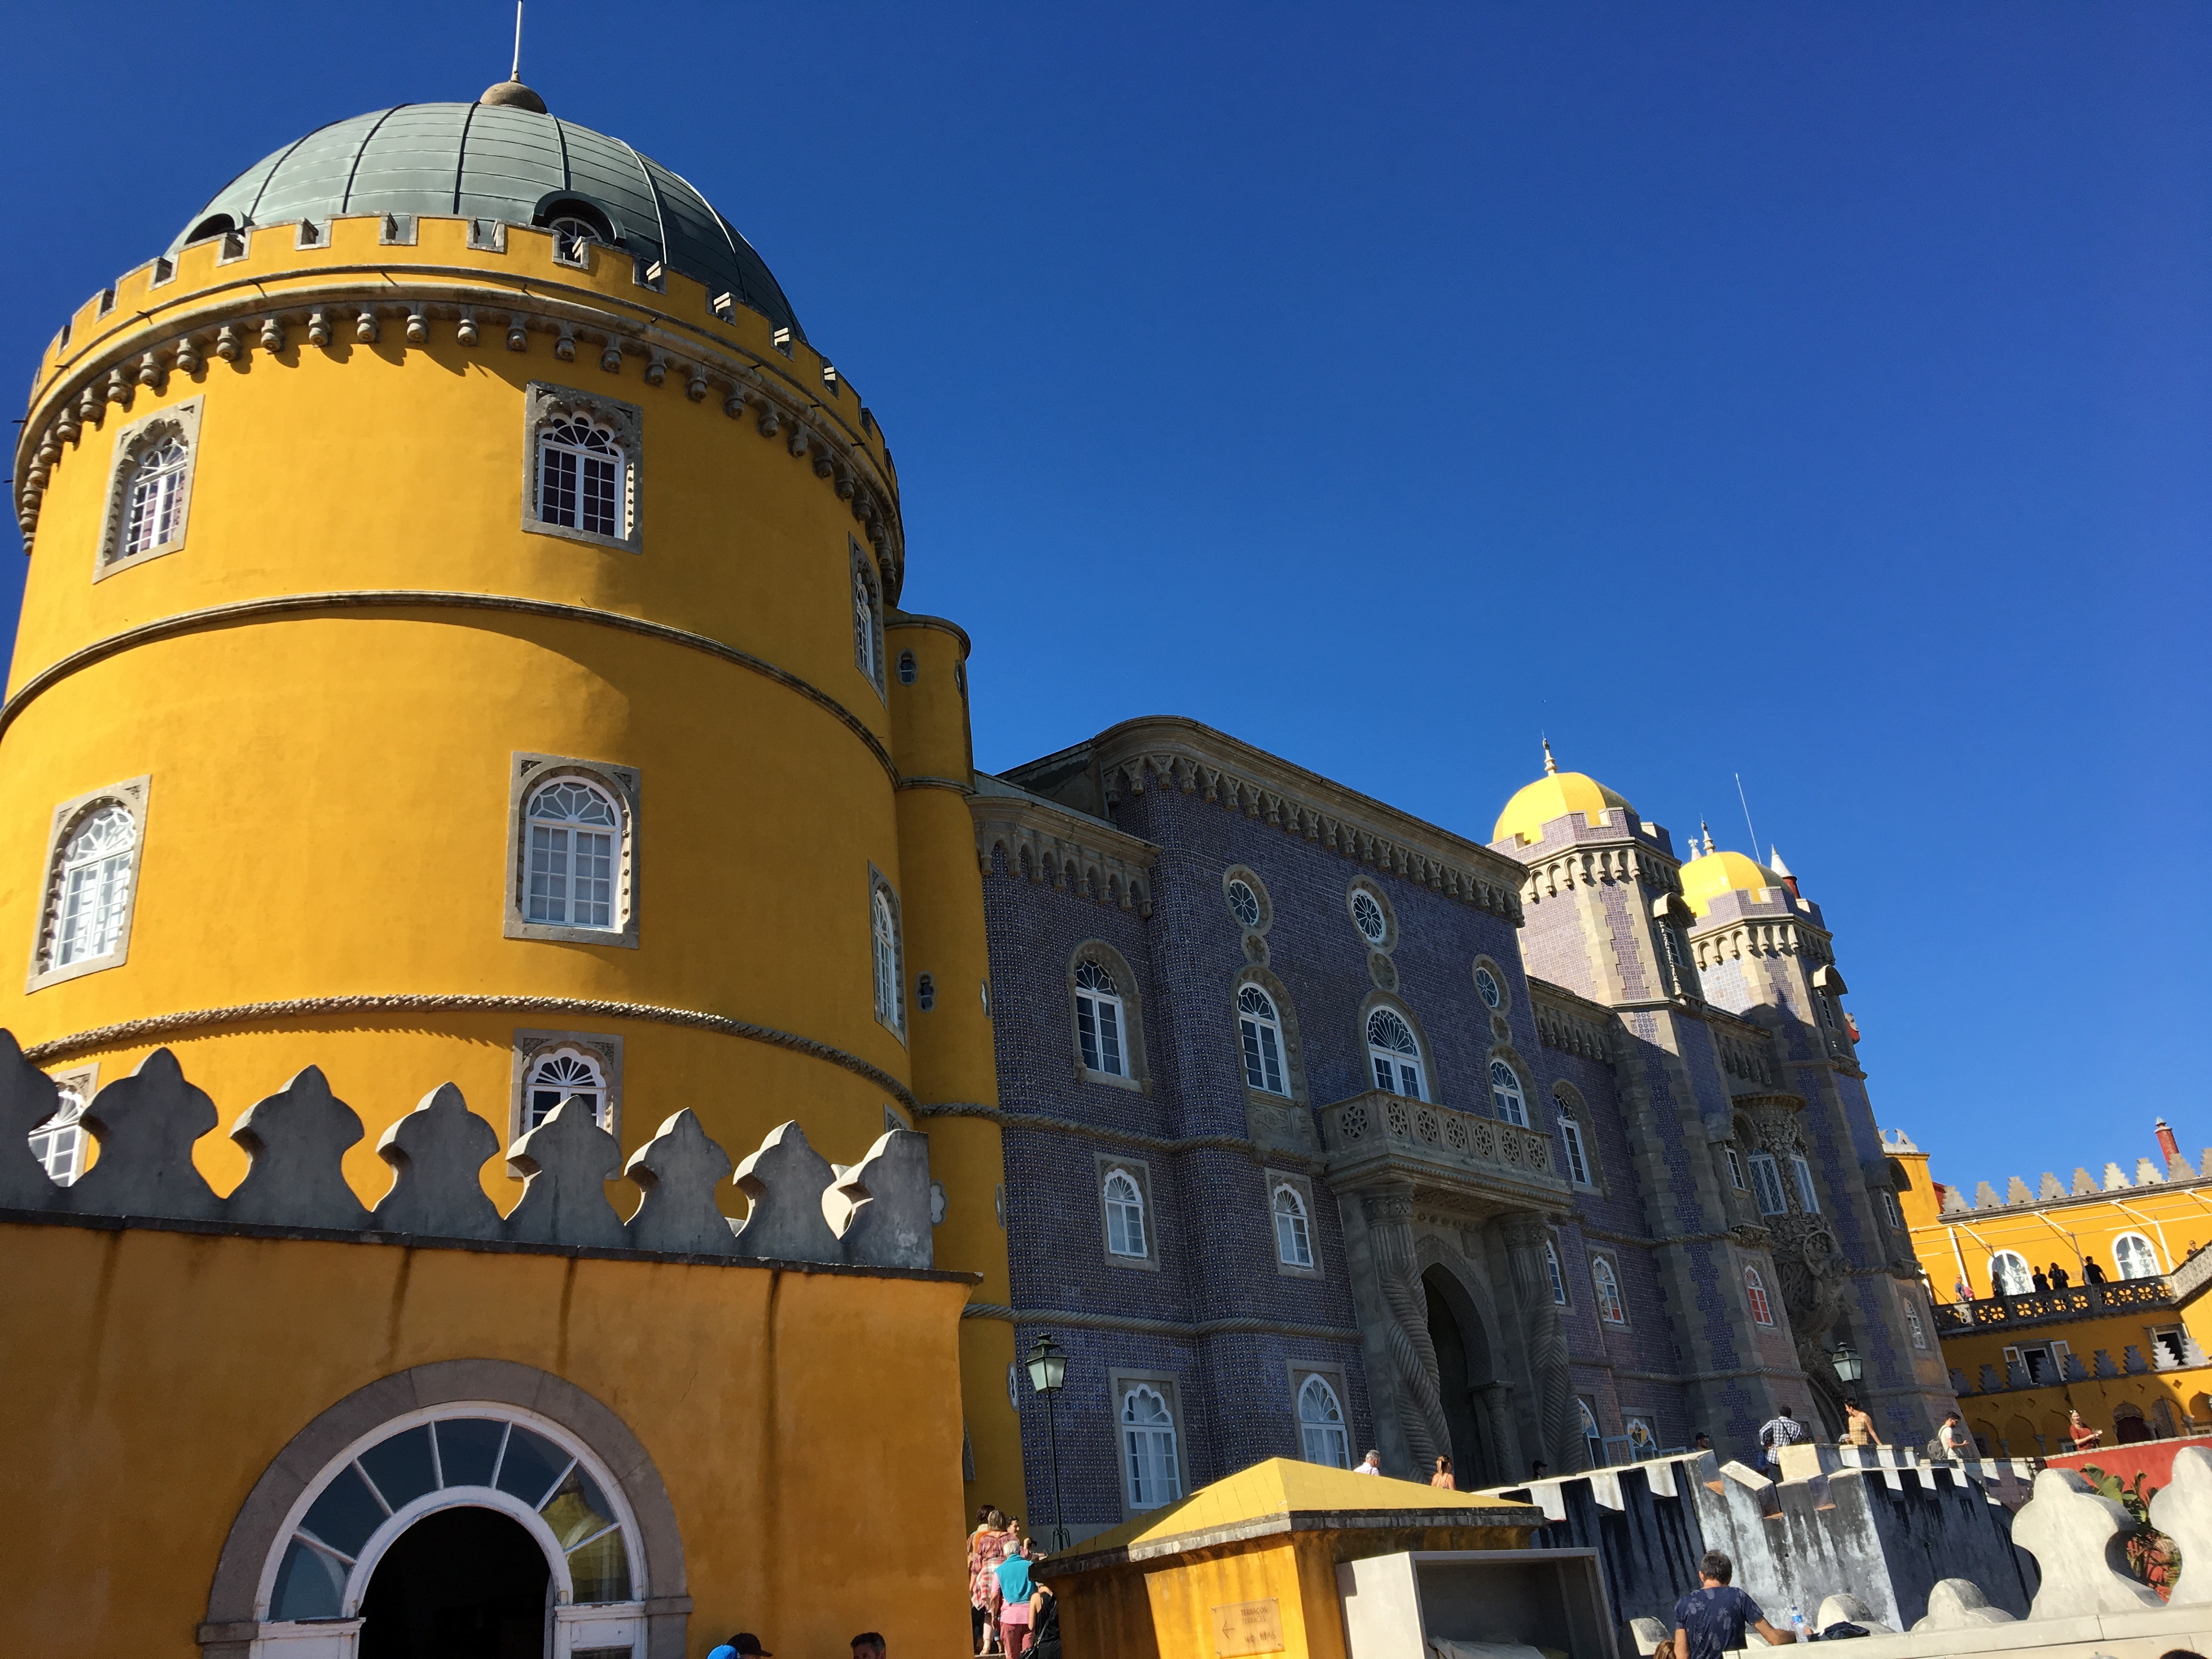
1048	1367
1849	1366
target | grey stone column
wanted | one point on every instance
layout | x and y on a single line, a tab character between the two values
1497	1399
1409	1355
1525	1239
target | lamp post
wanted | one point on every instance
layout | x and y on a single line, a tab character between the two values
1048	1367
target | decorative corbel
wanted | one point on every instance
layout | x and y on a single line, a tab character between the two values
319	328
120	388
272	334
797	443
518	334
465	330
695	383
610	356
824	465
418	328
734	404
151	374
564	344
188	356
364	326
771	420
656	368
228	344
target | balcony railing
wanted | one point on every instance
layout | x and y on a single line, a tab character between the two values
2076	1302
1376	1122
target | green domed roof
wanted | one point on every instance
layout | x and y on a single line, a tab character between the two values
500	160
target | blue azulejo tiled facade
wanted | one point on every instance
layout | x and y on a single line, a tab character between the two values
1328	1129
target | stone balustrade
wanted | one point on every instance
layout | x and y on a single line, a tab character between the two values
1378	1122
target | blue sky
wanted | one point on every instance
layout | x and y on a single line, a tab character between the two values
1818	393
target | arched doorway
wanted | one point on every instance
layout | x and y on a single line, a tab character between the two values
460	1583
1464	1368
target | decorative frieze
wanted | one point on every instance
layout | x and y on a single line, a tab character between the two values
1040	842
1778	936
1569	1023
1625	864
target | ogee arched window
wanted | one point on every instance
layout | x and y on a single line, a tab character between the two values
1148	1442
157	492
554	1077
1098	1020
97	868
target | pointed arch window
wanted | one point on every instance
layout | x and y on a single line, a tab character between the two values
1098	1019
156	498
150	487
1505	1093
1607	1283
1592	1442
868	621
1754	1292
1261	1028
1321	1434
1572	1148
554	1077
2133	1255
1148	1444
575	829
1125	1215
864	626
1293	1232
1395	1055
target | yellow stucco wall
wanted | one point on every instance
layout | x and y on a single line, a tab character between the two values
176	1365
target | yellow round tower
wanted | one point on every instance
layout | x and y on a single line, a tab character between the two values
461	642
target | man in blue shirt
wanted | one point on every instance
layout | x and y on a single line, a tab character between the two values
744	1645
1710	1620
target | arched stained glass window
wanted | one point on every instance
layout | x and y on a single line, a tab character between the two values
1321	1432
1098	1020
1125	1214
1395	1055
573	828
581	482
1293	1236
157	490
1261	1029
1754	1292
1608	1285
1505	1093
566	1071
95	885
1148	1442
1592	1442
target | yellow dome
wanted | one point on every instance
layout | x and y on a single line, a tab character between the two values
1552	796
1714	873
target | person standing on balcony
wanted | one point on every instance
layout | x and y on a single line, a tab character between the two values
2042	1284
2060	1278
2091	1272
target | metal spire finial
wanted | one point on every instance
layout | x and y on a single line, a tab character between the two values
1708	828
1551	766
515	74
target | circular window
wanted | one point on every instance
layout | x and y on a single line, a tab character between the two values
1486	987
1367	916
1244	904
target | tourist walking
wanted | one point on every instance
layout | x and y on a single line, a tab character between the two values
1710	1620
1015	1589
1777	1432
2091	1272
1858	1427
987	1547
1371	1464
1443	1477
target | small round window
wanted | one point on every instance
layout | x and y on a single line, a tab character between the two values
1367	916
1244	904
907	671
1486	987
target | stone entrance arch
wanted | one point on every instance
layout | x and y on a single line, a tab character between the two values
1484	1449
601	1514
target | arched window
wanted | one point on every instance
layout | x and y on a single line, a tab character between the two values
1592	1442
891	1005
2134	1257
908	671
1571	1147
1766	1182
471	1460
1755	1293
573	828
96	867
572	236
1148	1442
580	477
58	1143
2010	1274
1125	1214
565	1072
1293	1237
1098	1020
1368	916
1552	1267
1487	988
1321	1426
1602	1280
1262	1031
157	492
1505	1093
925	991
863	625
1395	1055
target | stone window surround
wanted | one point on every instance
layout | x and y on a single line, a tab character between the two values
1396	1005
544	403
1498	975
1560	1258
131	440
133	794
531	1046
1294	1065
879	883
84	1082
1592	1257
1303	1186
1522	1069
1133	1019
526	771
1296	1371
1568	1102
1364	884
1140	1172
1630	1413
863	570
1244	873
1168	1386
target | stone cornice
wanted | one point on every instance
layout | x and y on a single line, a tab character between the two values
1552	869
353	304
1073	851
1781	934
1571	1022
1196	759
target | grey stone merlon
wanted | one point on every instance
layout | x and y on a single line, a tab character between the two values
678	1170
295	1140
436	1153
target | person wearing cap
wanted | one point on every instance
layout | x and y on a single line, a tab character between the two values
744	1645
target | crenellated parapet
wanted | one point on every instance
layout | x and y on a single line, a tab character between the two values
801	1207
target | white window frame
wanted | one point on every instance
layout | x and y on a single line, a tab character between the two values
69	819
1123	1205
548	407
1149	1446
1508	1097
1486	971
178	423
1766	1184
1102	1024
570	1058
1808	1195
1605	1285
1238	881
1736	1168
1592	1438
867	600
602	1050
1387	939
1324	1430
1916	1327
1560	1297
1754	1292
1293	1226
2022	1274
1391	1068
2148	1255
1259	1034
887	953
59	1143
530	774
563	884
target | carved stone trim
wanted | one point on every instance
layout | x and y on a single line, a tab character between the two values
527	774
1077	854
131	794
178	420
543	405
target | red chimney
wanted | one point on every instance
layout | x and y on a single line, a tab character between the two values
2167	1143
